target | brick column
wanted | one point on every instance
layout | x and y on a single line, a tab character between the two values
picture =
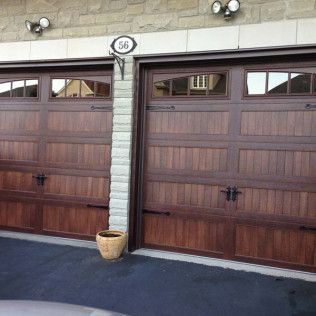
121	146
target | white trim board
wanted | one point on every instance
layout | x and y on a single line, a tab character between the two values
227	264
50	239
281	33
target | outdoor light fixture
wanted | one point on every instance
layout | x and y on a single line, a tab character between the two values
232	6
37	27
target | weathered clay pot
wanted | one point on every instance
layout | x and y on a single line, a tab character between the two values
111	243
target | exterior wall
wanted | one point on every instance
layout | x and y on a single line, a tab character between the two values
86	28
85	18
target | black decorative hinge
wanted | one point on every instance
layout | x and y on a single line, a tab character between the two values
160	107
231	193
310	106
107	107
156	212
120	61
106	207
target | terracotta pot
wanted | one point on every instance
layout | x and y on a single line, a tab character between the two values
111	243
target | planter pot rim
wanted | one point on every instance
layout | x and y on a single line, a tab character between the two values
120	233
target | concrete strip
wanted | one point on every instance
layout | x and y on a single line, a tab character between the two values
50	239
240	266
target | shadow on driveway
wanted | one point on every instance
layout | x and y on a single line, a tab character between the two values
137	285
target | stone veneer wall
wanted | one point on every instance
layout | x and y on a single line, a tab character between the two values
84	18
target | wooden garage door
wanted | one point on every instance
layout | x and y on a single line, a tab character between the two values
230	163
55	140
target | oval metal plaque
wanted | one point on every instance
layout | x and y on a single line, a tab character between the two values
123	45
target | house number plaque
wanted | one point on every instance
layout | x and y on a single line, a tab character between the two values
123	45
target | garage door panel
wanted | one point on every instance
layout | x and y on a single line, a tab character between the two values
186	158
17	214
278	123
211	123
278	244
277	202
183	233
91	155
17	181
19	121
290	163
79	121
71	185
187	195
74	220
19	150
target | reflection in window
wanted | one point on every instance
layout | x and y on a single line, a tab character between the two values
31	88
87	88
5	89
58	88
102	89
256	83
300	83
277	82
180	86
217	83
162	88
72	88
17	88
76	88
198	85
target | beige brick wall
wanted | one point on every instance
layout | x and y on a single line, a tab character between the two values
82	18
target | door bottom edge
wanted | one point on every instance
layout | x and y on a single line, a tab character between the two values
227	264
63	241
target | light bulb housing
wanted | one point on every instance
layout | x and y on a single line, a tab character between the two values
37	27
231	7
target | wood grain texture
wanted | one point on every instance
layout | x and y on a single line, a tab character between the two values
276	244
211	123
278	123
187	158
17	214
19	120
18	150
278	162
77	220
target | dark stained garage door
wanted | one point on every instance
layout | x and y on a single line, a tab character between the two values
55	140
230	162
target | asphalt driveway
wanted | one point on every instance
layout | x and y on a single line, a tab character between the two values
137	285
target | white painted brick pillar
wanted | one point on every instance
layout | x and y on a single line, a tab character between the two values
121	146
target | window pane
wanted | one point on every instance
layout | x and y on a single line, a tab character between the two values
180	86
87	88
217	83
58	88
161	88
5	89
198	85
256	83
102	89
73	88
18	88
277	82
300	83
31	88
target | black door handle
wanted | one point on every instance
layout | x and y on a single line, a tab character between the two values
231	193
156	212
40	178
